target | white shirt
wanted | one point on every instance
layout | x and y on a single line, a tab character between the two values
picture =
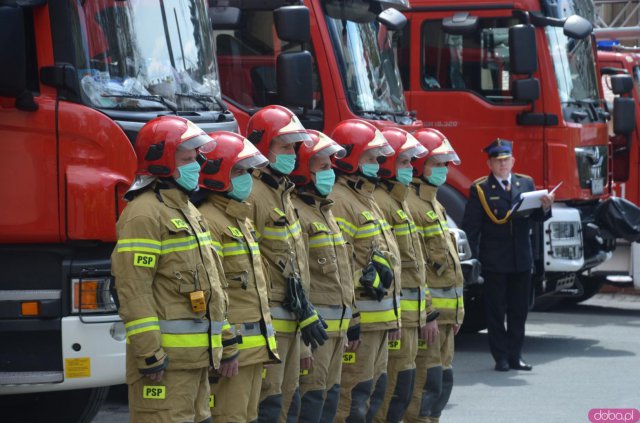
500	180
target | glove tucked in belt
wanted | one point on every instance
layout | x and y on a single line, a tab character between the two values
383	267
312	326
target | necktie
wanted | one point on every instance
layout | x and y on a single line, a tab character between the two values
505	182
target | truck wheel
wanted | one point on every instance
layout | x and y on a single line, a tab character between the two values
591	286
77	406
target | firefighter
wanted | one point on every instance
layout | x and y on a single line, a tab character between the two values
225	184
171	298
418	318
375	265
434	378
331	278
275	131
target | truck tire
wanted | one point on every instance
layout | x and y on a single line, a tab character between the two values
591	286
77	406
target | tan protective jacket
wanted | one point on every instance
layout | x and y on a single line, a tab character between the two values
329	261
164	254
390	196
444	273
280	240
364	228
246	286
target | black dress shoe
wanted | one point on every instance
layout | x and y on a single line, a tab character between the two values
520	365
502	366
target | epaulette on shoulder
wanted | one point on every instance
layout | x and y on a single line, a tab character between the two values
479	180
522	175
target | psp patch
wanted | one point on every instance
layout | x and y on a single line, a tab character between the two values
144	260
180	224
349	358
393	345
156	392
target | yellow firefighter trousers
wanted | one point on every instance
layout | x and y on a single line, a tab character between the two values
362	370
181	396
280	383
235	400
320	386
401	372
439	355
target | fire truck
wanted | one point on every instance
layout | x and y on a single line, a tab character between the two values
614	65
77	81
522	70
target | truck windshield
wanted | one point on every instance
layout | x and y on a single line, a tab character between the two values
573	60
368	66
147	54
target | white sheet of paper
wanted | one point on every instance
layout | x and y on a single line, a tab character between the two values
532	200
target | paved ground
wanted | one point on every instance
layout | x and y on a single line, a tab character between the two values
584	357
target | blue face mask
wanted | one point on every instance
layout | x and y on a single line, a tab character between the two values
404	175
241	187
189	174
285	163
370	169
438	176
324	181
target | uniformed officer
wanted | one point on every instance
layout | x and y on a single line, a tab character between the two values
331	277
376	269
171	298
502	243
225	184
390	195
434	377
275	131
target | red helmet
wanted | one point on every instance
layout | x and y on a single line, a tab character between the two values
273	122
358	136
405	145
235	150
322	145
439	148
160	138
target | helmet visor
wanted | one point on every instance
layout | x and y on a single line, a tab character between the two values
250	157
445	153
295	137
332	150
203	142
416	152
380	146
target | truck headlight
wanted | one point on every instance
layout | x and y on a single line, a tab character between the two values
92	295
462	243
565	240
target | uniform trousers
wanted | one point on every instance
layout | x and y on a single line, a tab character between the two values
235	399
506	294
320	386
181	396
401	371
363	371
280	386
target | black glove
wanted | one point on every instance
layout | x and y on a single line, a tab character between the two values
353	333
383	267
312	329
312	326
370	281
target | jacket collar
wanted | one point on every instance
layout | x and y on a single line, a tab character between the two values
173	197
396	190
312	199
359	184
237	209
425	191
272	180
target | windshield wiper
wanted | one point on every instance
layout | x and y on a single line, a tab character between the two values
204	98
158	99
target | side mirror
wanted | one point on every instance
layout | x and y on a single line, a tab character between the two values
624	115
526	89
292	23
522	49
460	24
224	17
621	84
295	84
393	19
13	81
577	27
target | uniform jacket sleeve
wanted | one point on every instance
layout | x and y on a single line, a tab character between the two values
134	264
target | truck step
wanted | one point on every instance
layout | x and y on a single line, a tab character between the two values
21	378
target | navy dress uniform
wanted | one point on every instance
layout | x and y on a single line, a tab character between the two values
502	243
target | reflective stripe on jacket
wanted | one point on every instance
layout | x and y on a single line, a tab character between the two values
162	256
390	196
329	261
364	228
444	274
233	238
